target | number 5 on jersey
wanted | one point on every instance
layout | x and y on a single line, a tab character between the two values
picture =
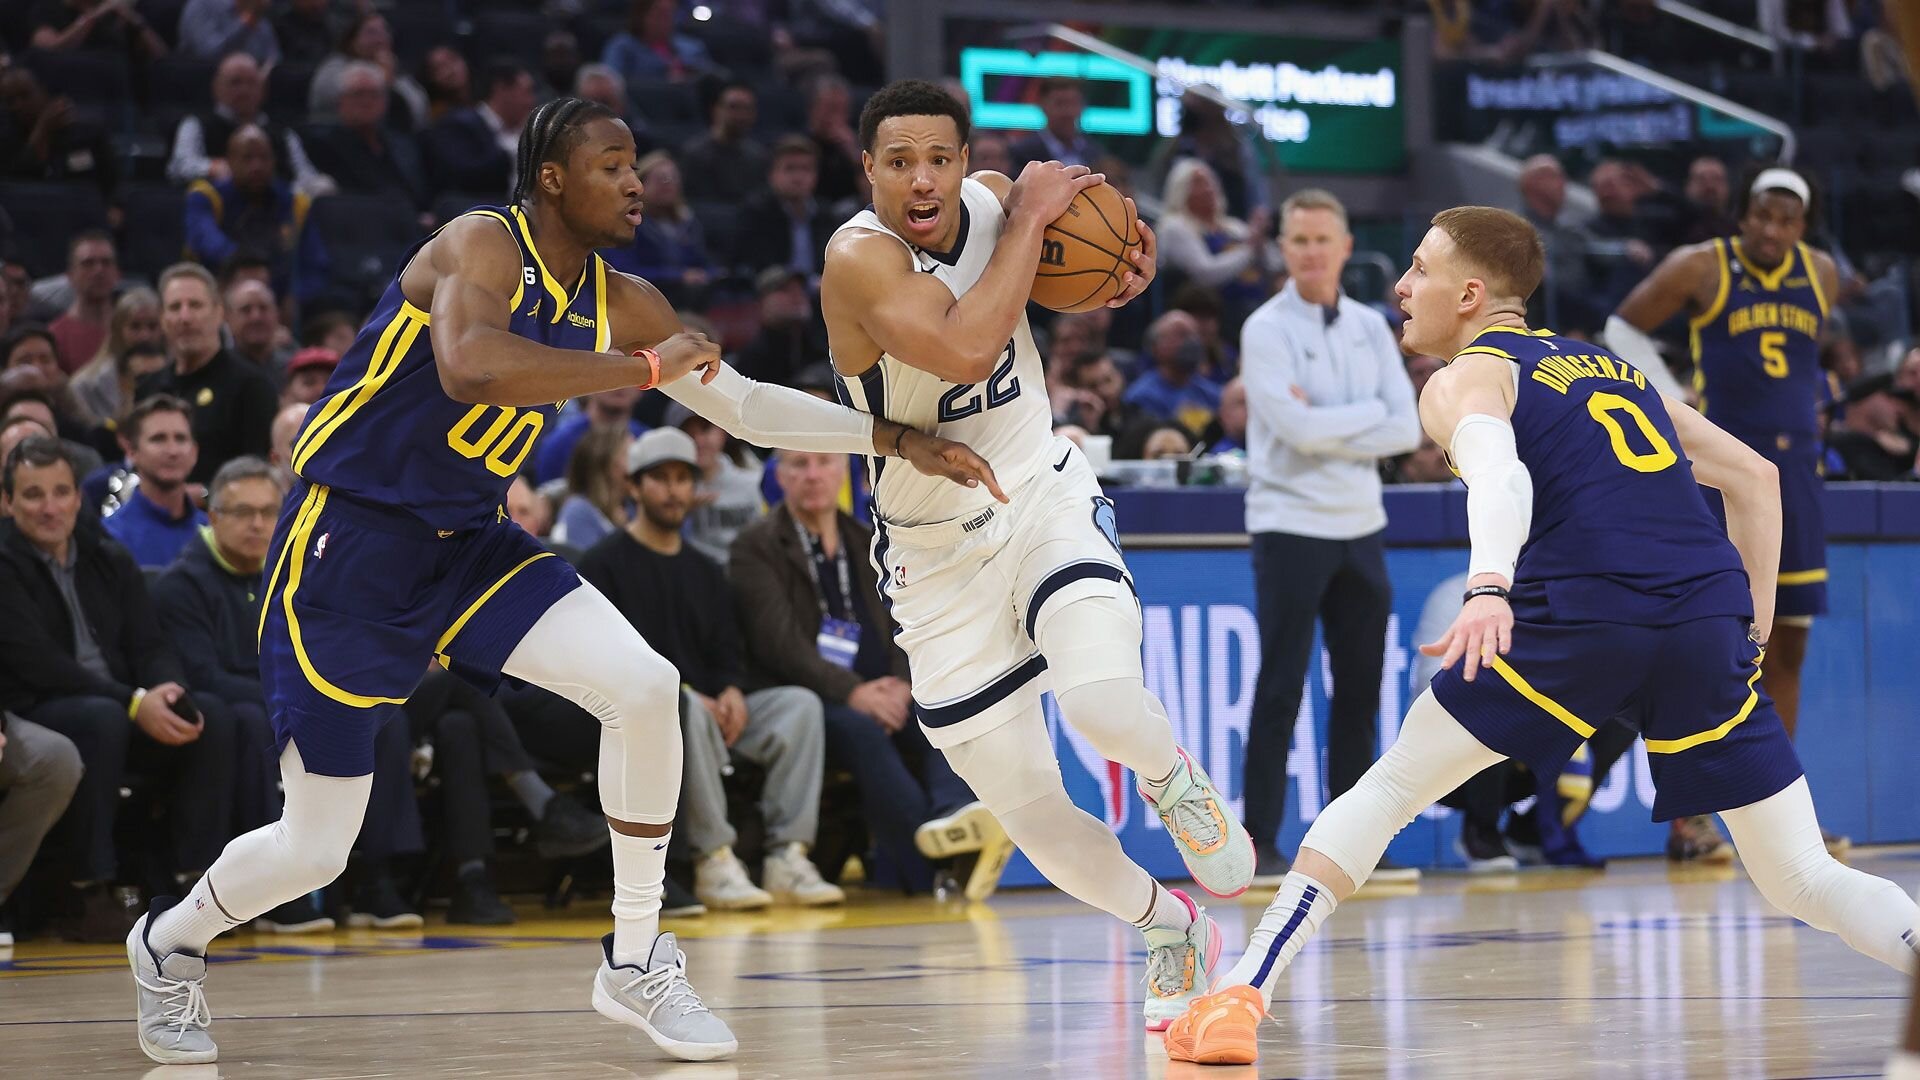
500	437
964	400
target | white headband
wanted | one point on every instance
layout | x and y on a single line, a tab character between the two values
1782	180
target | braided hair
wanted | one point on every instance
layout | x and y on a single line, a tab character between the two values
550	135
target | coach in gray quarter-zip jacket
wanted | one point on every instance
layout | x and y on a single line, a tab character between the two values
1327	397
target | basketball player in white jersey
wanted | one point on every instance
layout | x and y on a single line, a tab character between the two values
925	299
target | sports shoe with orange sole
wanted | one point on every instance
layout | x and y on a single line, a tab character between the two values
1219	1029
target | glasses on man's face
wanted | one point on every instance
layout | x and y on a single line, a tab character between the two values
247	513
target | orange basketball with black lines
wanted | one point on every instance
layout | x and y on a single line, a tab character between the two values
1086	253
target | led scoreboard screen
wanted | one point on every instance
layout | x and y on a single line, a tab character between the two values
1322	105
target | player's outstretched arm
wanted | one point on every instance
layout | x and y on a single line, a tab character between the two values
1750	485
1674	285
1468	408
471	269
870	284
769	415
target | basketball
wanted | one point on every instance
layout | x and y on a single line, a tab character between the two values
1084	253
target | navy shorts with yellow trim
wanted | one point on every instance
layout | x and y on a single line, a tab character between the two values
359	600
1802	590
1803	537
1713	739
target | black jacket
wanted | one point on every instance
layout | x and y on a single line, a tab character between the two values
765	235
233	404
390	166
37	662
679	603
213	617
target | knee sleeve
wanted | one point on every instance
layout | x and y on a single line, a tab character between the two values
1780	845
1092	646
1433	756
584	650
303	851
1090	638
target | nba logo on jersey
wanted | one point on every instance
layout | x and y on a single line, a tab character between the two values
320	546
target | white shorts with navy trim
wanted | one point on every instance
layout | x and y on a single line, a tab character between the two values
972	594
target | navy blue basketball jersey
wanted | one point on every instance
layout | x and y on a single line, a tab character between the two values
1620	531
1756	349
387	433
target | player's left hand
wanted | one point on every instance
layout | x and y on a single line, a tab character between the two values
936	456
1483	629
1145	262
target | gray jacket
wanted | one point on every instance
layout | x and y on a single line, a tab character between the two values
1314	463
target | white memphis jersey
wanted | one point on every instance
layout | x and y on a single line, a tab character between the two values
1006	419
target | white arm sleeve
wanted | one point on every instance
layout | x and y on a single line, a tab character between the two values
1499	493
1632	345
777	416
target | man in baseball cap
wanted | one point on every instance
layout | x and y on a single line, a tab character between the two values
678	599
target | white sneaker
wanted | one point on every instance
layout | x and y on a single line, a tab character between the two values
1180	965
720	881
660	1001
170	999
792	878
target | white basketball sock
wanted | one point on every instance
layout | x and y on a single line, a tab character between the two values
193	923
1298	909
639	880
1168	911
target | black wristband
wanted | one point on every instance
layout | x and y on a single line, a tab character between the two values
1485	590
898	436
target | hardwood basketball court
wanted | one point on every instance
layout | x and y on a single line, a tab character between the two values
1643	971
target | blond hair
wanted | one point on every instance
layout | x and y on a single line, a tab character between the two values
1499	246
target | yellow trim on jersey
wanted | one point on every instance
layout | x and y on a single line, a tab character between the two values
1484	350
1543	332
440	647
1813	278
302	533
212	193
519	280
387	357
1552	707
273	579
1769	279
602	333
1802	577
1674	746
561	300
1699	322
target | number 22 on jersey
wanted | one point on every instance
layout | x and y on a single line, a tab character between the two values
964	400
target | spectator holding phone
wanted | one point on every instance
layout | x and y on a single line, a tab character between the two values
82	653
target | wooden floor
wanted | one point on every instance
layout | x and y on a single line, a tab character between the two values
1640	972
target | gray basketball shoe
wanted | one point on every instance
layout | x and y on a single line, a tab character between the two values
661	1002
170	996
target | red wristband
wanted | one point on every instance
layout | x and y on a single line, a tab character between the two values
653	362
